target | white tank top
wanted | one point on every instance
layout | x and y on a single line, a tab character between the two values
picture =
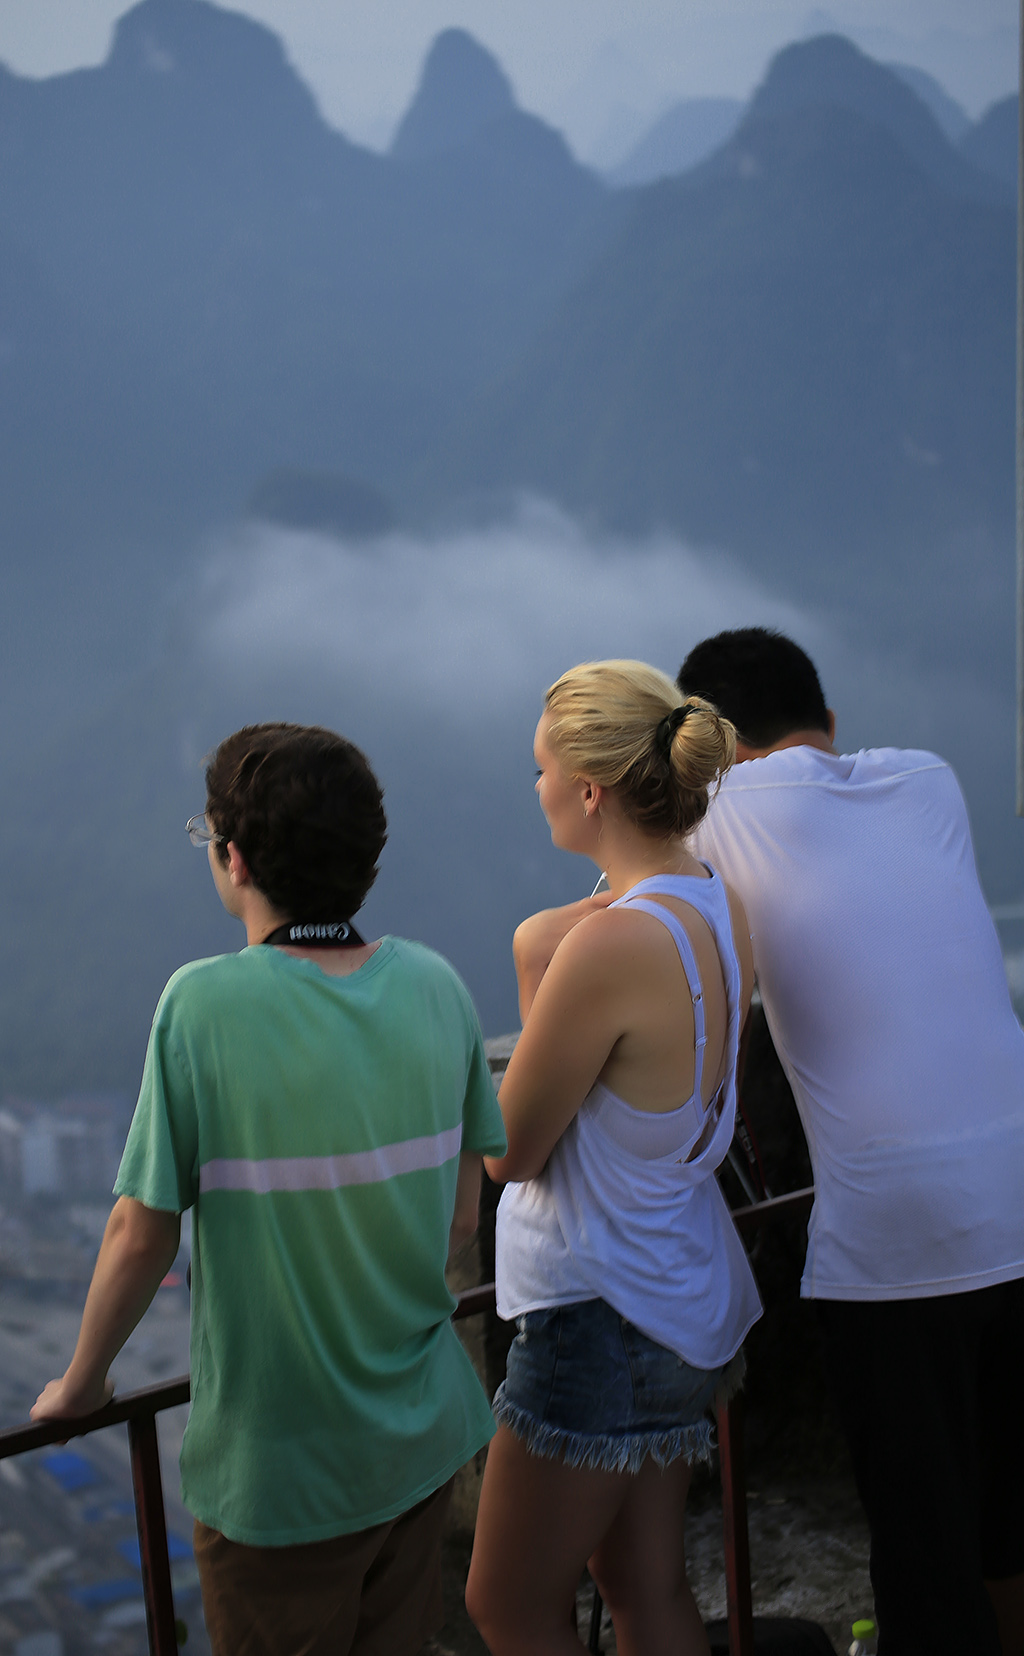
620	1213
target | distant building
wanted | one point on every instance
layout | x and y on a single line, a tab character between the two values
69	1148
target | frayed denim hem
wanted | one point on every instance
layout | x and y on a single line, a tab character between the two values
606	1451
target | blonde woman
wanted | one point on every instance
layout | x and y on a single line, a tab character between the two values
616	1253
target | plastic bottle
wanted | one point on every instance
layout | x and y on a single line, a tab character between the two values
865	1635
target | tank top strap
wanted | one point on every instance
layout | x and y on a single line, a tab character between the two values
682	942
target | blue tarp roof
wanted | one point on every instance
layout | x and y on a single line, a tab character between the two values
71	1471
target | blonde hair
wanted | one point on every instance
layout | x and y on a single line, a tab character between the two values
607	722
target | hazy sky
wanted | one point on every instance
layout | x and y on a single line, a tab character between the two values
596	68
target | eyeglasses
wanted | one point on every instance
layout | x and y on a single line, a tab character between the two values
199	831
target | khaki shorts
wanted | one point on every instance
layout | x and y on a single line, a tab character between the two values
376	1592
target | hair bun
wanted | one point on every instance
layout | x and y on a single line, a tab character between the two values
615	722
665	733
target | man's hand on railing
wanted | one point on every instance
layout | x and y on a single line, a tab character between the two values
138	1249
63	1399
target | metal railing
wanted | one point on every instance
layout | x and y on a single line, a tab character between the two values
731	1460
139	1410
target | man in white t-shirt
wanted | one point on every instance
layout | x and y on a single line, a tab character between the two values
884	990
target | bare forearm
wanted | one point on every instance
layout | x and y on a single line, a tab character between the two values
138	1250
126	1277
467	1203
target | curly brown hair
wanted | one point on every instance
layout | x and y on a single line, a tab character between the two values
306	812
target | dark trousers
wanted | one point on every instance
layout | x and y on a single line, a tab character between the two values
376	1592
930	1394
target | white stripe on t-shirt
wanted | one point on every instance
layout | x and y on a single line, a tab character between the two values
331	1172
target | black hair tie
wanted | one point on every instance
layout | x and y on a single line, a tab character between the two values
665	733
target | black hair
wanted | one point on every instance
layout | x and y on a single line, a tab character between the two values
306	812
767	685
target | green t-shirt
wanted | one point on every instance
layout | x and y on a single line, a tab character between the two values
315	1123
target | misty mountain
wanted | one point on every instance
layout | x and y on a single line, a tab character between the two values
803	351
242	290
214	308
305	301
994	142
462	89
202	285
692	129
953	120
830	71
678	140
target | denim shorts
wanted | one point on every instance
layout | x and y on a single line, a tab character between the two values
585	1385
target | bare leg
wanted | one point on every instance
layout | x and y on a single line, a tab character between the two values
1008	1602
537	1524
640	1568
539	1521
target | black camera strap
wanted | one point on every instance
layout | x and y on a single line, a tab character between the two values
317	934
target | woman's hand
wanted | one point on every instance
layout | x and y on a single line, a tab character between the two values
582	1006
536	940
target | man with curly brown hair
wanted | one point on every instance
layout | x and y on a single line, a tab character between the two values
321	1103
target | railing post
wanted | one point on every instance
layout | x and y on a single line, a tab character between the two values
152	1525
734	1522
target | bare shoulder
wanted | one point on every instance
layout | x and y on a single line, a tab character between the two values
606	938
610	927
